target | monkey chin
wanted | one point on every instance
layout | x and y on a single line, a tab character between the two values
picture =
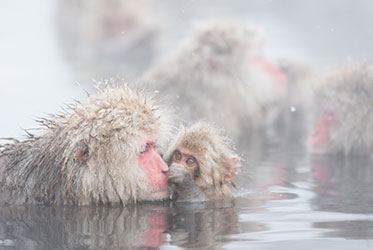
159	195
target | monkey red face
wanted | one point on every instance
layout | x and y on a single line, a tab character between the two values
117	25
186	158
272	70
321	130
155	170
156	228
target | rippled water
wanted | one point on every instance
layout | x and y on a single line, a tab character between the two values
284	200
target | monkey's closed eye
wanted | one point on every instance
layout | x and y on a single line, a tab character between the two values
145	148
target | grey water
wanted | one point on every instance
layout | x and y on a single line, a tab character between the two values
286	197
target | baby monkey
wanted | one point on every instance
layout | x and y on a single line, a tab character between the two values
202	164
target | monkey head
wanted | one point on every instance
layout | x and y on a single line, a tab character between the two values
207	156
99	26
102	151
345	117
225	44
229	47
224	61
121	130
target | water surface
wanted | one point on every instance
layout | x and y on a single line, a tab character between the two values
284	200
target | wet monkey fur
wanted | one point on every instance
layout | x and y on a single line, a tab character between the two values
345	117
220	67
103	151
202	163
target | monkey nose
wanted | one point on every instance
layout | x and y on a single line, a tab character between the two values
164	167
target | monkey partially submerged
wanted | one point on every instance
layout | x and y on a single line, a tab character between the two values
99	152
202	163
345	119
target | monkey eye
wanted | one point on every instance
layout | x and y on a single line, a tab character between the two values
191	162
329	116
145	148
177	156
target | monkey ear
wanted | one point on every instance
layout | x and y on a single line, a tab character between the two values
81	152
232	168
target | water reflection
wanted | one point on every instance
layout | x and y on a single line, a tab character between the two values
209	224
83	227
343	184
283	198
286	198
307	197
358	229
141	226
200	225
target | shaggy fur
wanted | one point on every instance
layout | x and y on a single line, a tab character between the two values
214	76
348	92
104	38
47	168
215	156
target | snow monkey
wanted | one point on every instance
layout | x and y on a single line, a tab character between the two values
345	121
102	151
103	38
224	62
202	163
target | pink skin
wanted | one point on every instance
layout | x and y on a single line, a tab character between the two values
117	25
185	155
154	235
320	174
321	131
155	170
272	70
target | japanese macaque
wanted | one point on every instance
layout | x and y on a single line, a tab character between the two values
103	151
106	38
202	163
220	67
345	118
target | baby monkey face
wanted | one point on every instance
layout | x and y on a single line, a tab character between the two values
187	159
